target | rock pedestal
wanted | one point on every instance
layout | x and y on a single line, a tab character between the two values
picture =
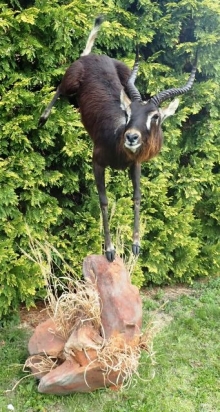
77	365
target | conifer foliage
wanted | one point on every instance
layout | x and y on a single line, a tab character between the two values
46	182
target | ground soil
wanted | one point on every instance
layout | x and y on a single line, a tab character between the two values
32	317
168	292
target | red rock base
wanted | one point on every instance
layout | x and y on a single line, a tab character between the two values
77	364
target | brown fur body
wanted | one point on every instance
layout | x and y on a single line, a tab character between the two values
97	82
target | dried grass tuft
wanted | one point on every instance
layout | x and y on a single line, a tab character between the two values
72	309
69	301
72	302
42	363
119	357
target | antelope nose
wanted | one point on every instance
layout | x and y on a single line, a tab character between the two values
131	137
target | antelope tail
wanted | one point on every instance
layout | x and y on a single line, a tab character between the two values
86	51
93	34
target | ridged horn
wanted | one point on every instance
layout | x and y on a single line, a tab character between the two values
132	90
167	94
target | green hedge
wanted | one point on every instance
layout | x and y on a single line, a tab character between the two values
46	177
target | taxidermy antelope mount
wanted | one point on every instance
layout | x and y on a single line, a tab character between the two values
125	130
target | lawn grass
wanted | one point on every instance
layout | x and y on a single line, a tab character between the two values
186	369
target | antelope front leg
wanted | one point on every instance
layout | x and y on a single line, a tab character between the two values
135	173
99	173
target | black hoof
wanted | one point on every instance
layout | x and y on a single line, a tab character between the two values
110	255
136	249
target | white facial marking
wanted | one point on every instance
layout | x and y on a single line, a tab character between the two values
125	104
149	119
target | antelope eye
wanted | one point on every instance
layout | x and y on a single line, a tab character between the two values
155	117
152	119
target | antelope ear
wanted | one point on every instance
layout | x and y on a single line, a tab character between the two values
169	110
125	104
